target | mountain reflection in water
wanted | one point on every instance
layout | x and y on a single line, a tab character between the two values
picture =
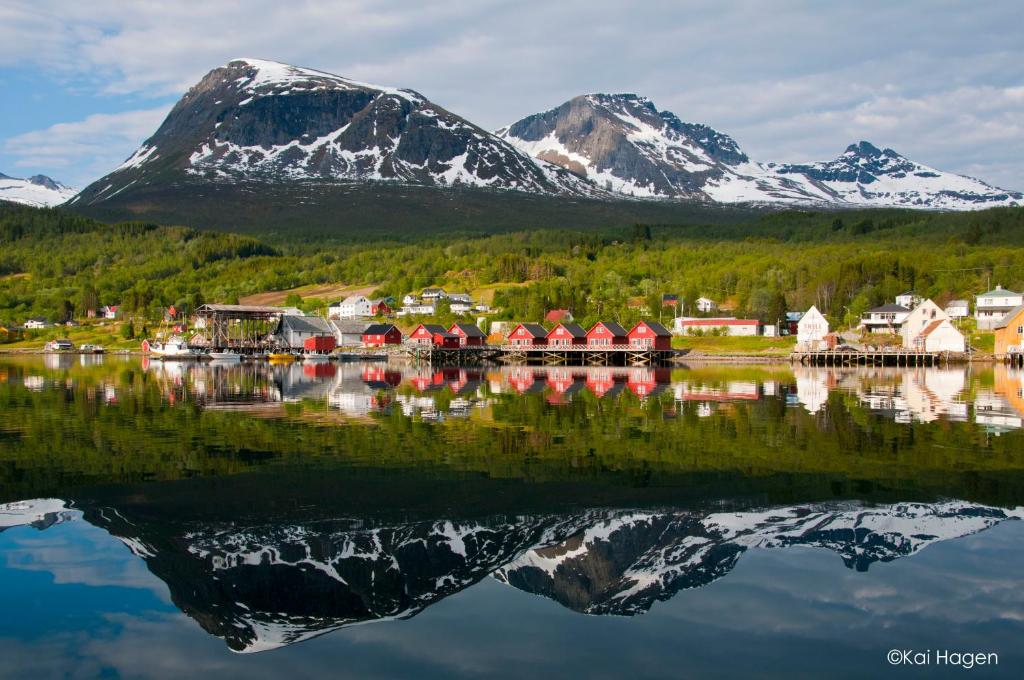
274	504
264	584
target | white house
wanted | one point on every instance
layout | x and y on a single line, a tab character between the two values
685	325
921	316
991	307
705	305
433	293
410	299
885	319
811	329
958	309
356	307
35	324
410	310
109	311
908	299
939	336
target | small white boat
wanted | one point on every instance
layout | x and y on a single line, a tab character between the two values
175	348
225	356
315	357
91	349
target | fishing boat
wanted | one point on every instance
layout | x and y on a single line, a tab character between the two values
225	356
174	348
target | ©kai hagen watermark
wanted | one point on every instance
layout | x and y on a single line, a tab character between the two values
941	657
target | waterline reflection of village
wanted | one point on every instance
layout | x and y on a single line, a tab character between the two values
992	397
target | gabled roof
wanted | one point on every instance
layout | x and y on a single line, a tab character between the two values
658	329
556	315
379	329
613	328
891	307
445	334
927	330
574	329
534	329
469	330
957	303
348	325
998	292
304	324
1010	315
431	328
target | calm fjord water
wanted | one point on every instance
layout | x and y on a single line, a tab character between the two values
164	519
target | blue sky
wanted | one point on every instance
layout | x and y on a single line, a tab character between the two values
940	82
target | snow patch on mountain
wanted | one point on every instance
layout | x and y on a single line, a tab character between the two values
39	191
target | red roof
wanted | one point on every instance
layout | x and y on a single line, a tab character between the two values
556	315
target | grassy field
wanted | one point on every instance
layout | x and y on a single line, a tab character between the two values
328	292
755	345
107	336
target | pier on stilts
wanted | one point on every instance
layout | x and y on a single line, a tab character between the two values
897	358
1015	357
612	355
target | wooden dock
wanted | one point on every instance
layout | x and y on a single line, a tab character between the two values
898	358
1015	359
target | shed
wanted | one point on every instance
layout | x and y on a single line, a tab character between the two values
940	336
811	329
293	331
445	340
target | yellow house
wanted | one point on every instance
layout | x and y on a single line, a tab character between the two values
1010	332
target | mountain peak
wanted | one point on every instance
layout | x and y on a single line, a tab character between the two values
864	149
38	190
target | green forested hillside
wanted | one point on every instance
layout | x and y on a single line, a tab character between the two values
54	264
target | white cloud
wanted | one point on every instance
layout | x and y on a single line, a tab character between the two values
88	148
791	81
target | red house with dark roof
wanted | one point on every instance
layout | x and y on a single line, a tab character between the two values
528	335
649	335
445	340
604	334
524	379
469	335
567	335
380	334
424	333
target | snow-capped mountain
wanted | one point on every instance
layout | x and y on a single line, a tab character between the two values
623	143
38	190
261	582
255	120
625	562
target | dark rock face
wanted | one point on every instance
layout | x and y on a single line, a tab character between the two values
622	142
44	181
255	120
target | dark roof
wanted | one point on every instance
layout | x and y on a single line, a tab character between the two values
1009	316
656	327
446	334
432	328
470	330
613	328
379	329
535	329
305	324
575	330
891	307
